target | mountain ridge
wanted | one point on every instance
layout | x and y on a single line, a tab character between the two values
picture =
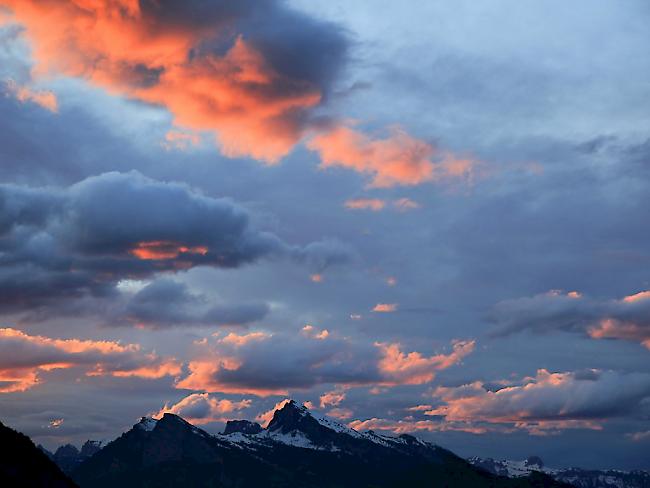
296	449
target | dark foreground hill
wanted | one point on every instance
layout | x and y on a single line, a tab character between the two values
296	450
23	465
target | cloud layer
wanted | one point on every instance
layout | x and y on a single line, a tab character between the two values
23	358
627	318
265	364
66	243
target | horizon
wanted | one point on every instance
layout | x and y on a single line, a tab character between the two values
425	219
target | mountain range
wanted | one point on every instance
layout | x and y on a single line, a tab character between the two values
581	478
298	449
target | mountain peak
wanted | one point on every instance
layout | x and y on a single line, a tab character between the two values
291	417
146	423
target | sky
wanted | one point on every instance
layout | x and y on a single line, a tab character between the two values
420	217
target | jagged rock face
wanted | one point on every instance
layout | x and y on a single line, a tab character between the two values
23	465
243	426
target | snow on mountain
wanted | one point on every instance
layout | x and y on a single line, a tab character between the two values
581	478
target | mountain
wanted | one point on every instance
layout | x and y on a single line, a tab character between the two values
68	457
298	449
23	465
582	478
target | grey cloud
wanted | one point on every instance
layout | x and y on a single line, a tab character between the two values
84	238
626	318
166	303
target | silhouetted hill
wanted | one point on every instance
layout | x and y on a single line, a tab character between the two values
23	465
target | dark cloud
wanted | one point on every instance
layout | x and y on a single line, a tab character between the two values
549	401
166	303
627	318
83	239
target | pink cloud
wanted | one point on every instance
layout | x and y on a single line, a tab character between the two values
202	408
374	204
23	358
332	398
399	159
400	368
43	98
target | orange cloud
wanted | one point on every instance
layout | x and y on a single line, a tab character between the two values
252	109
316	278
203	377
399	159
414	368
311	331
385	307
156	250
243	339
374	204
23	357
201	408
45	99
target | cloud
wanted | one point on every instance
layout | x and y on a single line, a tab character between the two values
413	368
639	436
332	398
404	204
201	408
409	425
275	364
399	159
23	358
167	303
549	401
374	204
385	307
251	74
79	240
341	413
625	319
377	204
44	98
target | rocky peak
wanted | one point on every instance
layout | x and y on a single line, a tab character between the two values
292	417
243	426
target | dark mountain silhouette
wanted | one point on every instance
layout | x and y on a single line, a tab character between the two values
297	450
68	457
23	465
